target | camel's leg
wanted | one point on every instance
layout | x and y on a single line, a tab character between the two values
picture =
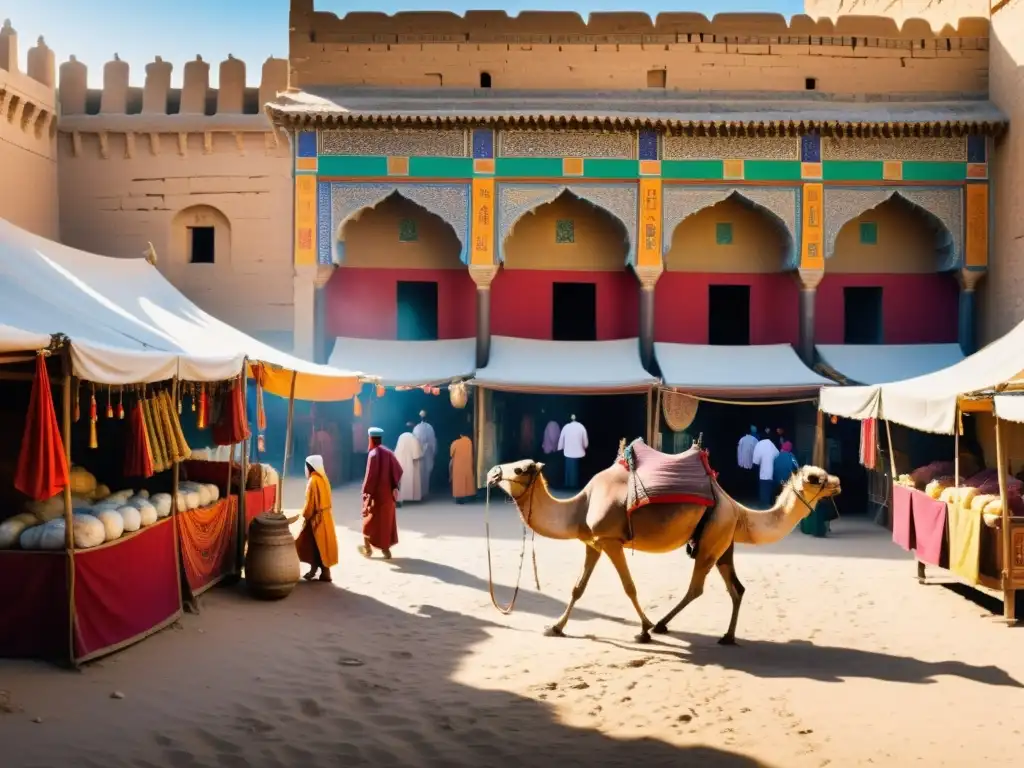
593	555
736	590
701	569
613	548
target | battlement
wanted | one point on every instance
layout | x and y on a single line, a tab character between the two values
27	99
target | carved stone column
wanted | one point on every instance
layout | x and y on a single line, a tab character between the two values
808	280
483	276
967	319
648	277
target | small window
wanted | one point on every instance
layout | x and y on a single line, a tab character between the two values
407	232
565	231
485	79
729	315
573	312
811	84
862	315
201	245
723	233
868	233
657	78
417	310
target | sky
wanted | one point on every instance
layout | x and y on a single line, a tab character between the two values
252	30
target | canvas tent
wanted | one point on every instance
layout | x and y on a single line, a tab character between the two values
408	363
882	363
929	403
766	370
128	324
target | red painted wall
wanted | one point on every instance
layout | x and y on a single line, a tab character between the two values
681	306
521	302
363	302
916	309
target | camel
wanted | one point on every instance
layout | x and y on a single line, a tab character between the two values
597	517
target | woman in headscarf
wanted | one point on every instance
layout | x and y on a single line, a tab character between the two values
784	465
317	544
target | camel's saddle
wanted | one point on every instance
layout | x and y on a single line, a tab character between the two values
663	478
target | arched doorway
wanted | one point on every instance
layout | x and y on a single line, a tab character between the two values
887	280
726	278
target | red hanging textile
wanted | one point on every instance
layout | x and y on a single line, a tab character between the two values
868	442
232	426
42	464
138	459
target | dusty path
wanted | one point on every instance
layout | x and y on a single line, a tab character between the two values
844	660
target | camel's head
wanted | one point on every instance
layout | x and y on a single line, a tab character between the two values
516	477
815	484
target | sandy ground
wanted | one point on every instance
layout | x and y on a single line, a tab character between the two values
844	660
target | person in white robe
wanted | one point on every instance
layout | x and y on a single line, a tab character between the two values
425	434
409	452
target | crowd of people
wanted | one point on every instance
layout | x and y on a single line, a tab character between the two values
772	455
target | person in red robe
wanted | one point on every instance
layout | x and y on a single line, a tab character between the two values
380	494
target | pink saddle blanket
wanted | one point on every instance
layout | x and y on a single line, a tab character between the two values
663	478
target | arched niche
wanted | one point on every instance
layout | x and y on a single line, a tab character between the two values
340	202
771	209
399	233
620	201
901	238
600	242
941	208
200	217
760	242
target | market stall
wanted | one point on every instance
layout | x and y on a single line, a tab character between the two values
968	519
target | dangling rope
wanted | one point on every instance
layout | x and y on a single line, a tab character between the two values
506	610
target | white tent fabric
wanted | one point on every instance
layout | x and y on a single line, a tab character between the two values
762	370
593	367
1010	407
882	363
16	340
408	363
126	322
928	403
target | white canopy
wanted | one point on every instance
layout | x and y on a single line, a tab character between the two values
126	322
928	403
408	363
16	340
740	371
881	363
586	367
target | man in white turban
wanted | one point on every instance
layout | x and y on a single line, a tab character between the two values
425	434
409	453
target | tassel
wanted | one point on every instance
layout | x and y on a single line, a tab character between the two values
93	442
203	404
110	407
192	394
357	407
120	403
77	402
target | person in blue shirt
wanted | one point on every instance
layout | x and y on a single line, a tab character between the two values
784	465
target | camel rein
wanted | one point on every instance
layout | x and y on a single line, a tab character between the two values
506	610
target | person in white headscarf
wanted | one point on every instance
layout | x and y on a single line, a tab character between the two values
409	453
425	434
317	543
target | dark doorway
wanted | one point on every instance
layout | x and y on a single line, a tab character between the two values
729	315
201	246
417	311
574	312
862	316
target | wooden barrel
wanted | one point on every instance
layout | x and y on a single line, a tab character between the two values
272	566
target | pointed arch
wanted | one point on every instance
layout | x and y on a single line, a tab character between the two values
340	202
942	207
618	200
777	203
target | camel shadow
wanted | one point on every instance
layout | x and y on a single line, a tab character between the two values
802	659
530	601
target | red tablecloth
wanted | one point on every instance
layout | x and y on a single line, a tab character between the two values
35	613
919	524
126	590
902	517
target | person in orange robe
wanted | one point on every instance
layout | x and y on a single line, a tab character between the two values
380	492
460	468
317	543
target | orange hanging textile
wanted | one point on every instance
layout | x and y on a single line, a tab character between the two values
42	464
93	442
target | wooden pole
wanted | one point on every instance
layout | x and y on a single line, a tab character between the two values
650	416
657	422
818	455
69	533
481	426
176	467
242	532
287	442
1009	595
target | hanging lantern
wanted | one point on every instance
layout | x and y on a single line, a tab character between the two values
93	442
380	390
458	395
834	420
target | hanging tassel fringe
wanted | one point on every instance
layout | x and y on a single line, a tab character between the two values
93	441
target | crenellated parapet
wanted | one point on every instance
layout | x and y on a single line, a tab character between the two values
27	99
191	118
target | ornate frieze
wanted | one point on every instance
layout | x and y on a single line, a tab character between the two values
401	142
939	149
945	204
730	147
592	144
516	200
681	202
448	201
